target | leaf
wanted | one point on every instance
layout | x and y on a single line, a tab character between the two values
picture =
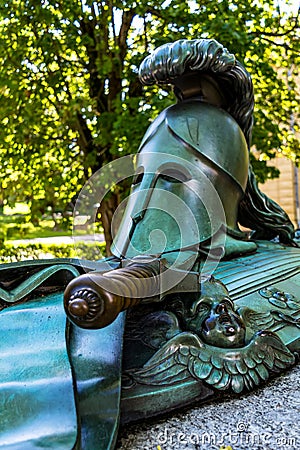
56	63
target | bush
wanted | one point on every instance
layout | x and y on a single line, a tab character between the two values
19	230
11	231
20	219
2	238
10	253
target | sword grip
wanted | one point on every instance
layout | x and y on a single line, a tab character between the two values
94	300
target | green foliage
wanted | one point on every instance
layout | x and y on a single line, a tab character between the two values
12	253
19	226
70	100
262	170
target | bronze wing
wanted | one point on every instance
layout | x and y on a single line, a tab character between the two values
185	357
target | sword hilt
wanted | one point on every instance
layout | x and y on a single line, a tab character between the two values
94	300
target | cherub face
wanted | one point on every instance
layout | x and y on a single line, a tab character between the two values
216	322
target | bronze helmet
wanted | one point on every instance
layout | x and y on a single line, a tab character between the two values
192	175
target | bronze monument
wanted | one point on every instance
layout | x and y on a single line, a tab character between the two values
190	306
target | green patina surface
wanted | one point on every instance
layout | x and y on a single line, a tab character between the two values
210	309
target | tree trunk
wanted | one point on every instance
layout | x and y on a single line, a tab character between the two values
107	209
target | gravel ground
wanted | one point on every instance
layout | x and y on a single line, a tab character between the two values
266	419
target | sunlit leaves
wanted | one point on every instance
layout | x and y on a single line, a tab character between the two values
70	99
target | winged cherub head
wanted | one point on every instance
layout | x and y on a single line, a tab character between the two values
214	319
